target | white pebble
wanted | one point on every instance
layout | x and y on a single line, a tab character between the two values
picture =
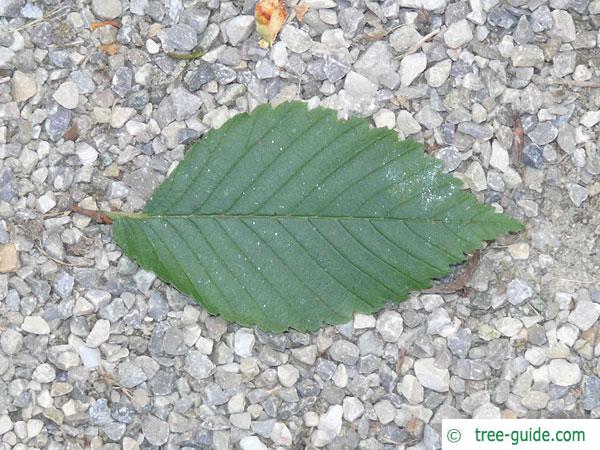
67	95
35	325
99	334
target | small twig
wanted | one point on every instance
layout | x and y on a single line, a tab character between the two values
597	280
535	309
417	45
559	161
516	150
461	281
112	380
98	216
105	23
55	214
187	56
58	261
68	44
377	35
48	16
575	83
400	362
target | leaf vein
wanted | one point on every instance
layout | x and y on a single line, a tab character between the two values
293	272
328	272
259	272
372	252
227	267
197	258
304	164
337	169
394	294
168	250
364	178
235	164
195	177
415	257
290	144
433	244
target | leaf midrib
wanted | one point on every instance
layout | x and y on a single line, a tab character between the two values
144	216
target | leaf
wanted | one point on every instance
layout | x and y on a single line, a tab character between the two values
270	16
290	218
110	49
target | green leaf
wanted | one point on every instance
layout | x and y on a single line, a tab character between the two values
286	217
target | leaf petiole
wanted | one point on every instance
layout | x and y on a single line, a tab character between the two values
105	217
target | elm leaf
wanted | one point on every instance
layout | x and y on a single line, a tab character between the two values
286	217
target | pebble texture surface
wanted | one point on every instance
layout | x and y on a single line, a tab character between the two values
96	353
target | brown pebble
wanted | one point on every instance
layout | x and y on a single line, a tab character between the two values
9	258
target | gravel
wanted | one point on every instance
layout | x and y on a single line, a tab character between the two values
411	67
431	376
156	431
238	29
23	86
252	443
106	9
518	291
67	95
564	373
458	34
585	314
35	325
497	92
295	39
9	258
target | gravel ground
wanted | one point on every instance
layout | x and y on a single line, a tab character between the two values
96	353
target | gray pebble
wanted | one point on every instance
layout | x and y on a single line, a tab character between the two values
57	123
518	291
577	193
591	393
198	365
239	29
482	132
156	431
532	156
122	81
523	33
106	9
460	342
130	375
99	412
344	351
197	78
122	413
500	17
181	37
158	306
11	341
470	369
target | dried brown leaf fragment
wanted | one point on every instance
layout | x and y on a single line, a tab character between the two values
270	16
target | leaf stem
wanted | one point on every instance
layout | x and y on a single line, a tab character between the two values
105	217
98	216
